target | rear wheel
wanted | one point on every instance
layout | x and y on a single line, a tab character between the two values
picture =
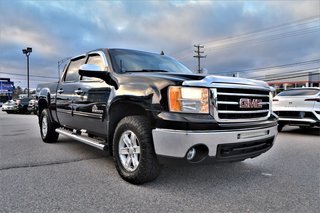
133	150
47	128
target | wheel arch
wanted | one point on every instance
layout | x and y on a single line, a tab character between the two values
121	109
42	104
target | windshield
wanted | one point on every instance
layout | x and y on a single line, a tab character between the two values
299	92
137	61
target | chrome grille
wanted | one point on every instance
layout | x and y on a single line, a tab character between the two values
226	104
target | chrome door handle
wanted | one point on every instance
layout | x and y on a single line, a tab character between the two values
60	91
78	91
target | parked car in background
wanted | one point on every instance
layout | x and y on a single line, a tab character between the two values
298	107
10	106
16	106
32	106
1	103
23	104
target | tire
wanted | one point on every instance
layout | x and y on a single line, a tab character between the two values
280	127
133	136
47	128
305	127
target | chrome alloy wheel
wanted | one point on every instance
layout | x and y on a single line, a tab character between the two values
129	151
44	126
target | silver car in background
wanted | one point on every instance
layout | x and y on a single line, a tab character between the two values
298	107
10	106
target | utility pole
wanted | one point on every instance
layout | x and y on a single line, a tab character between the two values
199	56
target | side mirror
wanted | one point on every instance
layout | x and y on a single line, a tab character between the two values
92	70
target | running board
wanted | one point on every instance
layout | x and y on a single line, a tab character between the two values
89	141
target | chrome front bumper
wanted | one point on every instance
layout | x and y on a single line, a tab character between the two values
176	143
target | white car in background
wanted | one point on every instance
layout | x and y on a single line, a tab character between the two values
298	107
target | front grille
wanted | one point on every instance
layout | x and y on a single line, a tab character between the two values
239	150
228	107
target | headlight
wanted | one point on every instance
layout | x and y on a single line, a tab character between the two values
188	99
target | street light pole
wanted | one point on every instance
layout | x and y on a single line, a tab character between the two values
27	52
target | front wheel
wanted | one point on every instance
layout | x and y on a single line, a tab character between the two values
133	150
280	127
47	128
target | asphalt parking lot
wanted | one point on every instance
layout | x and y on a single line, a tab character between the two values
72	177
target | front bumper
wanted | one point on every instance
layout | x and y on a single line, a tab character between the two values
299	117
10	109
176	143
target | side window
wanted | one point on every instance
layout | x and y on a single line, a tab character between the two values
72	71
97	60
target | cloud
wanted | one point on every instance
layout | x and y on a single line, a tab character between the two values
57	29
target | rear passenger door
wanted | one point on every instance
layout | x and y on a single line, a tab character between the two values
91	101
66	92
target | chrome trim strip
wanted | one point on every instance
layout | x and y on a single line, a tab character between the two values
241	112
238	86
87	114
215	112
228	102
237	103
90	141
242	94
297	119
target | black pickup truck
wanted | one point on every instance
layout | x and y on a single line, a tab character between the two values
145	107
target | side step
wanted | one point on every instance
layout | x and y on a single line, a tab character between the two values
90	141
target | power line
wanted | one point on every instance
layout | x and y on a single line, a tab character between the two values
260	35
255	41
273	66
37	76
281	27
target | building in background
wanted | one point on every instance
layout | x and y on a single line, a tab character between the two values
6	89
283	83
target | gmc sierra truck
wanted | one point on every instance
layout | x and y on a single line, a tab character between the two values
145	107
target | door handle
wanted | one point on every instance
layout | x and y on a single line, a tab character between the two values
78	91
60	91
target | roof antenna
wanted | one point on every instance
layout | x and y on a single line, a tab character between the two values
162	53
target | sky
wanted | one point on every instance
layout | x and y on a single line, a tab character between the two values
238	36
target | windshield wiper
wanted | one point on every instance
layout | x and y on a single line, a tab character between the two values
147	70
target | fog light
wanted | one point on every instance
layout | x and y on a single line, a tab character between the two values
191	153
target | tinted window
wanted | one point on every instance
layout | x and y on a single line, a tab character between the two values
72	71
299	92
137	61
25	100
97	60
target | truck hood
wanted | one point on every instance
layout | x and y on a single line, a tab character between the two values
211	80
203	80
